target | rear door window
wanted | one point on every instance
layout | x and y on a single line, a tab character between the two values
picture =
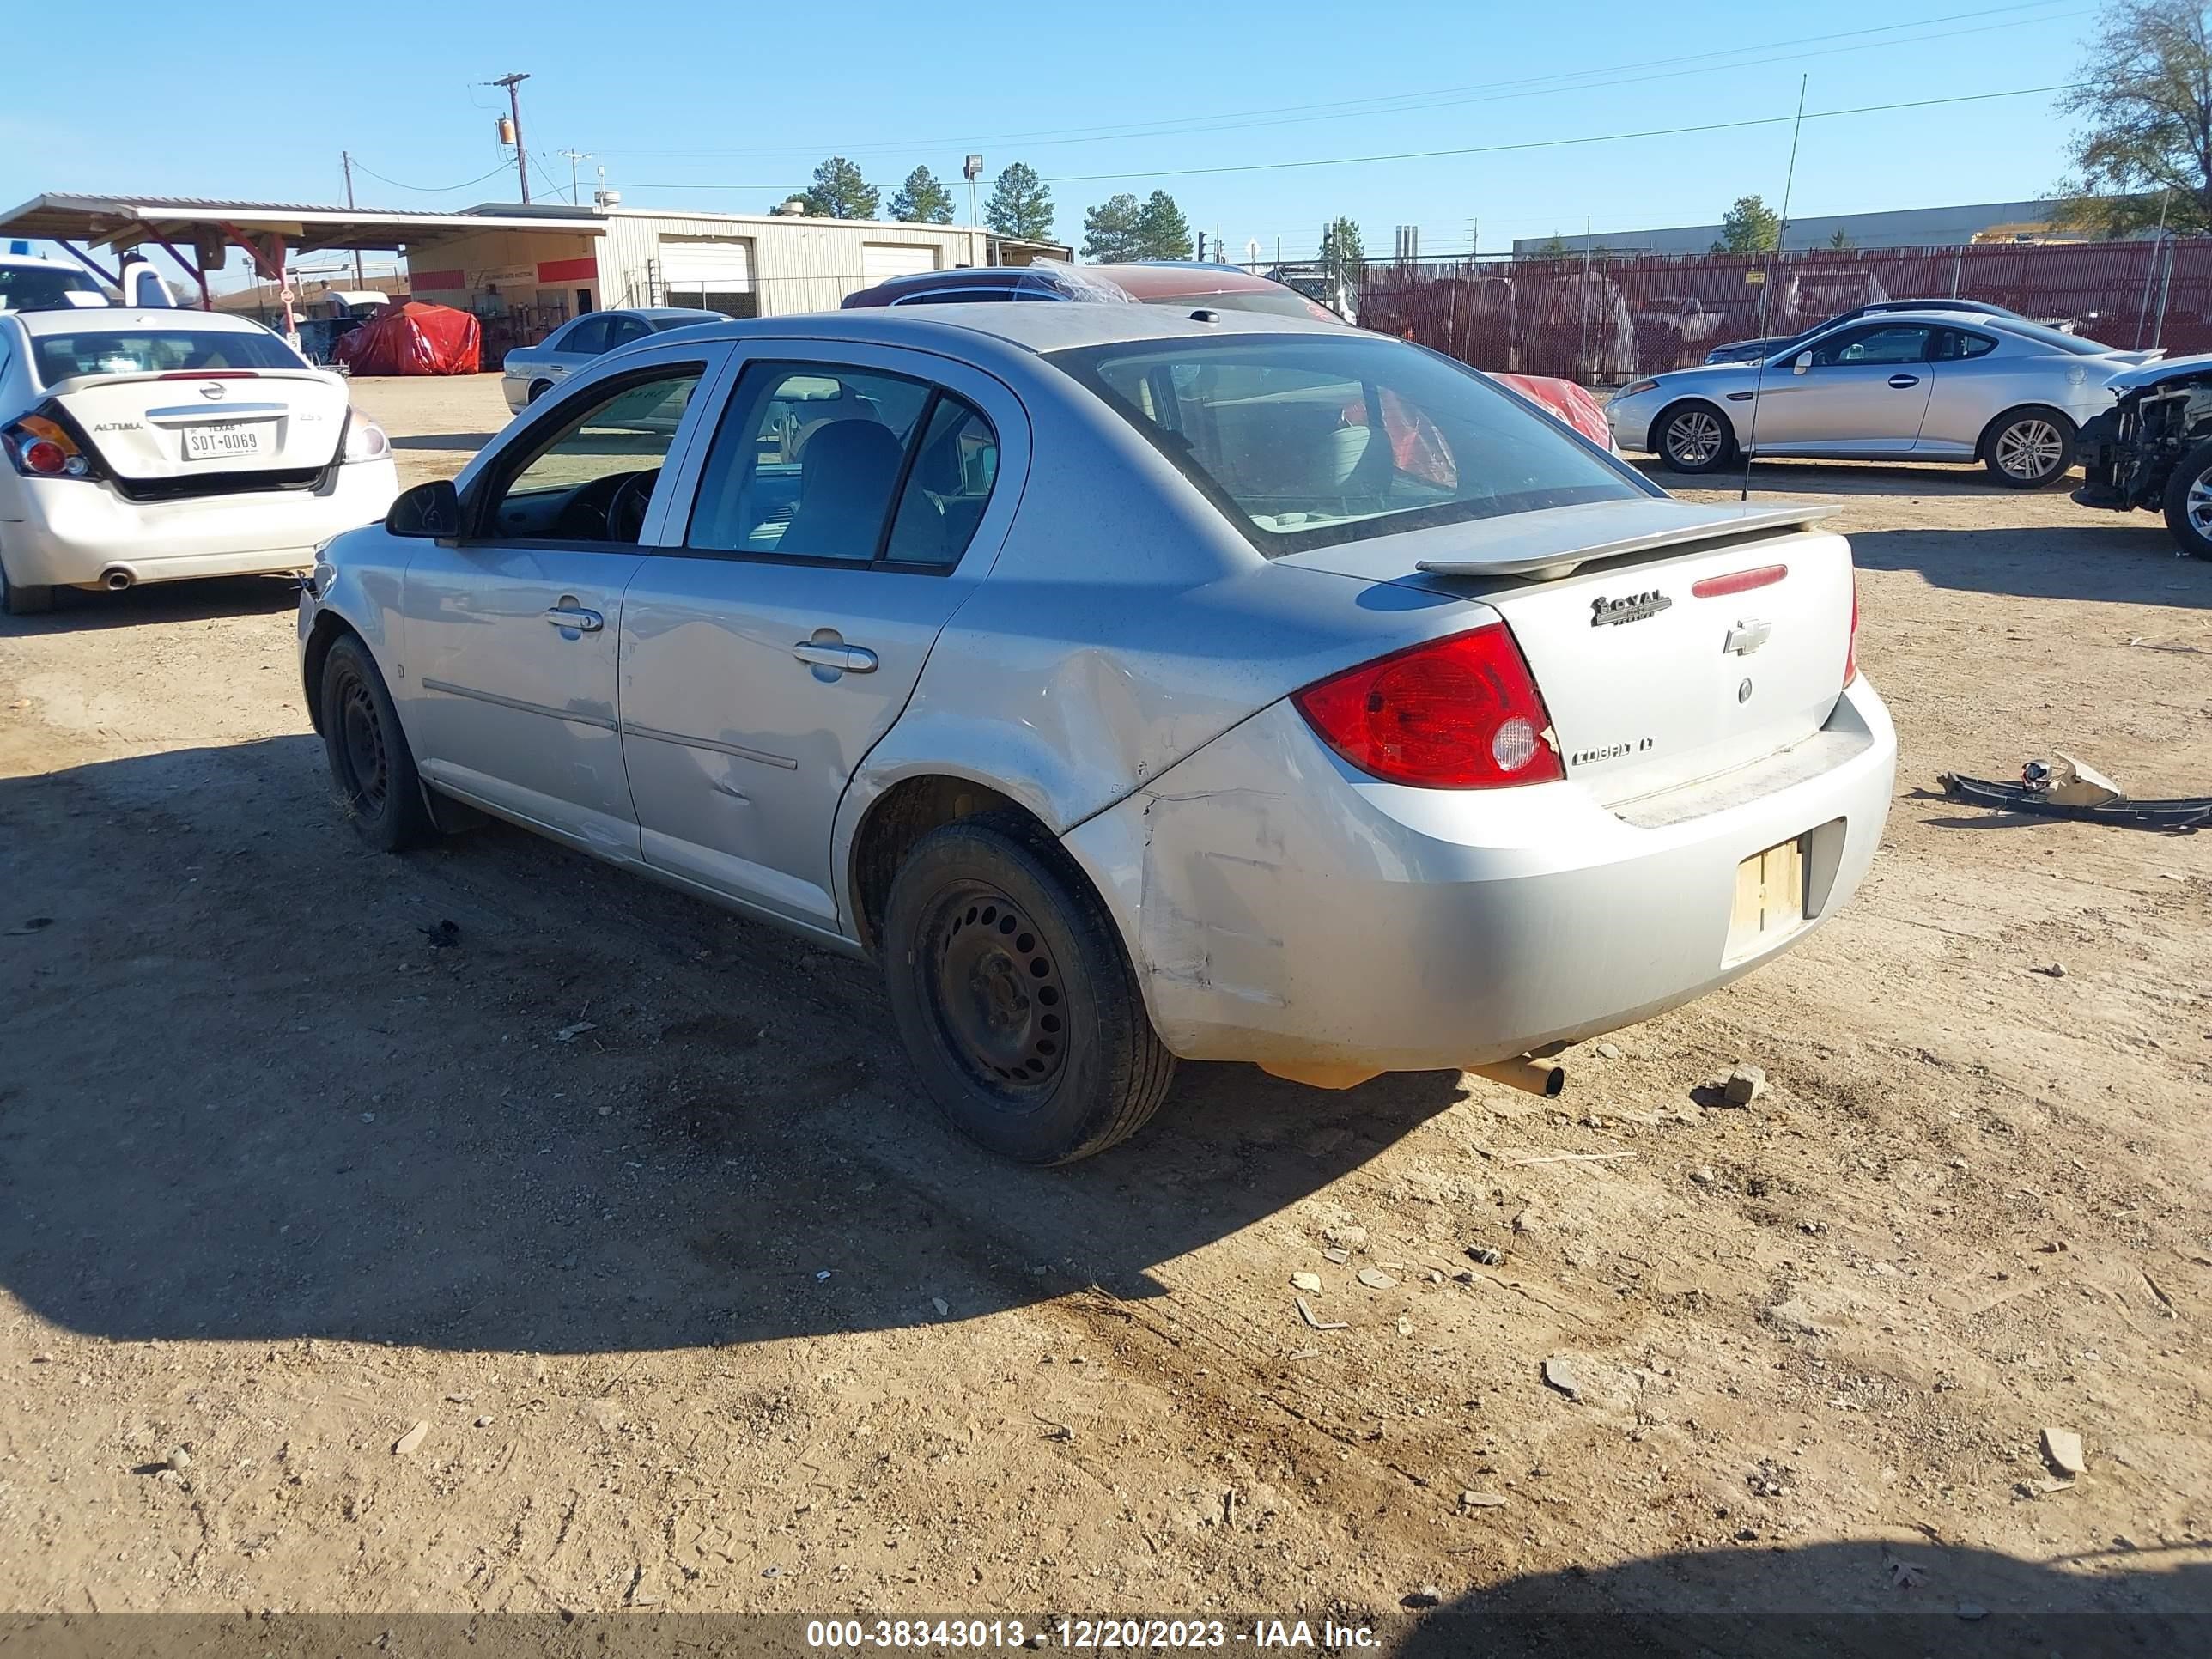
812	458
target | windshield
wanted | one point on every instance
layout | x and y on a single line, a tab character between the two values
1307	440
40	288
141	351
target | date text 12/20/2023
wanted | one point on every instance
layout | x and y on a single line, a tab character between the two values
1085	1635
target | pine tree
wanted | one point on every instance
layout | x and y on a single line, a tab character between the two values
1161	231
1020	205
840	192
922	200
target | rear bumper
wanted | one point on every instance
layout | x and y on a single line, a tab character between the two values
71	532
1283	908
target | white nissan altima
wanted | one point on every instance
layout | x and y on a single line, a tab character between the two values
149	446
1132	685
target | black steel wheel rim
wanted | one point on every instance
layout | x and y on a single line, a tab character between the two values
995	993
360	734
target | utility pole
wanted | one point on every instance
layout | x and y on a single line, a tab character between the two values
515	106
575	156
345	158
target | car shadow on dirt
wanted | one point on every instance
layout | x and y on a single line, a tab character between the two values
2121	563
465	443
76	611
1846	1599
266	1084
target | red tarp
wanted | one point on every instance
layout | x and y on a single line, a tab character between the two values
413	339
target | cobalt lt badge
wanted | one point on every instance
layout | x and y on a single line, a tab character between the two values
1634	607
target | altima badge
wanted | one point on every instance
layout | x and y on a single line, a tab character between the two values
1635	607
1747	637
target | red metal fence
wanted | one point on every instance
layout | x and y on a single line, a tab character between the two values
1612	317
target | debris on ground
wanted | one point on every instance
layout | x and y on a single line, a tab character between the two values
1307	1314
570	1033
1305	1281
1608	1051
1744	1085
2061	1449
177	1458
446	932
1559	1373
2055	970
32	925
407	1442
2064	788
1481	1500
1427	1596
1483	1255
1375	1279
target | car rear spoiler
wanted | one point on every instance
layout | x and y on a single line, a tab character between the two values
1754	520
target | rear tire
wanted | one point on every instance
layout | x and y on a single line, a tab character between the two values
1014	996
372	769
1693	436
2189	501
2029	448
18	599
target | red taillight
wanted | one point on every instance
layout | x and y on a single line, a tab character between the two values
1718	587
1851	645
1460	713
41	448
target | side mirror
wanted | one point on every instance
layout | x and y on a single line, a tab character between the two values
428	510
1804	361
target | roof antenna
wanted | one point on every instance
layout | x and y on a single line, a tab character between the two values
1766	288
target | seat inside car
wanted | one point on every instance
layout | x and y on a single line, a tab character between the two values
846	476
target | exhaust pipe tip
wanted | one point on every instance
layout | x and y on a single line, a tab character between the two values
115	578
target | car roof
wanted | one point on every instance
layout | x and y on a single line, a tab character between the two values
1037	328
662	311
116	320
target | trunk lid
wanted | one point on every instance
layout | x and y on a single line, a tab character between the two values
1649	685
194	429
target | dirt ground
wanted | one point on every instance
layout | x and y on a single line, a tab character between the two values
702	1311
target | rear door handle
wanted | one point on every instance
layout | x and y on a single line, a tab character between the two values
574	618
1901	382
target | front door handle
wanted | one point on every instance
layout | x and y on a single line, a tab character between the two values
1901	382
835	654
575	619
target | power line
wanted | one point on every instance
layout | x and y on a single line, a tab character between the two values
1554	144
427	189
1577	80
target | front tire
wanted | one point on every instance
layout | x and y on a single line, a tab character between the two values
1014	996
372	769
2189	502
2029	448
537	389
1694	437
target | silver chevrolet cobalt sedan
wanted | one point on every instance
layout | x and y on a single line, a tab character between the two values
1130	683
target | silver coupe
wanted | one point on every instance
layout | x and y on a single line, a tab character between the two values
1130	683
528	373
1913	386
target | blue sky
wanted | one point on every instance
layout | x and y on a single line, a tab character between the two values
728	107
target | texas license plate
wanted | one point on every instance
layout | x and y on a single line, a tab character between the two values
1770	898
224	440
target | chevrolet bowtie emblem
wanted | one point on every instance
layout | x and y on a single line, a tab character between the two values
1747	637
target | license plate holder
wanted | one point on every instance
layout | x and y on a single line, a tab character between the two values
225	441
1770	899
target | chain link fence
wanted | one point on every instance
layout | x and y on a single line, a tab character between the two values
1606	318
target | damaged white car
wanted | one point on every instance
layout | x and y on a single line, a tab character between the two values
1130	684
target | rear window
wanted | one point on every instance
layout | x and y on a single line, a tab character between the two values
1287	303
1308	441
2052	340
33	288
142	351
662	325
